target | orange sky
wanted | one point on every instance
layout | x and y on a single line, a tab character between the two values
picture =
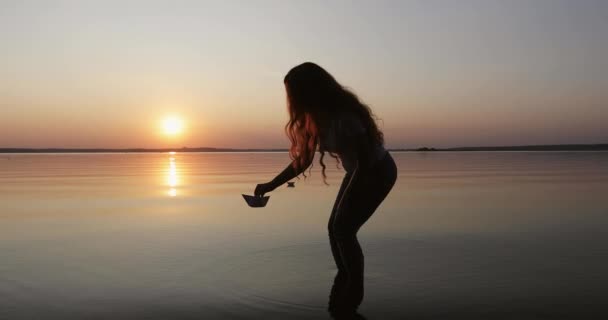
438	74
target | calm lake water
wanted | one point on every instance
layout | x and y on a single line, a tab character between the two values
494	235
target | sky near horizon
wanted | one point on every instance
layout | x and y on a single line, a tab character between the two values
439	73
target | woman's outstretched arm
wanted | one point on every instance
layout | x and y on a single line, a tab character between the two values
287	174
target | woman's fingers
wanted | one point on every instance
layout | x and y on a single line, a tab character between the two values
263	188
259	190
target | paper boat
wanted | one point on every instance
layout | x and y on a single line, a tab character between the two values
255	201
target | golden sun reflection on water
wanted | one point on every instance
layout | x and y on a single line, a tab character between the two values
172	192
172	177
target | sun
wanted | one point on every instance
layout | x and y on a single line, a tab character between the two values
172	125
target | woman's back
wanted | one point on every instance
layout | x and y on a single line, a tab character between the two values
342	136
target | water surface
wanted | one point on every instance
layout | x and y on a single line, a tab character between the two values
167	236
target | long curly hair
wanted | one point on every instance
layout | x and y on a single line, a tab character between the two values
314	98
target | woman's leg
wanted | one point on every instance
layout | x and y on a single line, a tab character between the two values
361	196
332	241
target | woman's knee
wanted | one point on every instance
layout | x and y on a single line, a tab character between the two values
341	231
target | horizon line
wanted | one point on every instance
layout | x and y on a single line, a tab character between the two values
536	147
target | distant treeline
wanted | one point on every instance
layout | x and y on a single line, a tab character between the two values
551	147
555	147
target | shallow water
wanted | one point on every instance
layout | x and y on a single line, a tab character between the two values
500	235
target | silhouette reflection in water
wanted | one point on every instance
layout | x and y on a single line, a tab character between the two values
344	299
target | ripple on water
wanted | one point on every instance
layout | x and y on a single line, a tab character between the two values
407	277
297	279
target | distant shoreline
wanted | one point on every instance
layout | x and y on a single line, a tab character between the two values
557	147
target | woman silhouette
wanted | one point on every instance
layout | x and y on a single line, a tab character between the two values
325	116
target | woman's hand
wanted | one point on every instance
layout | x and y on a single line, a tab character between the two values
263	188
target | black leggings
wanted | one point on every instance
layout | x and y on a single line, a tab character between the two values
360	194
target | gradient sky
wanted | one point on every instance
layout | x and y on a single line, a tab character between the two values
439	73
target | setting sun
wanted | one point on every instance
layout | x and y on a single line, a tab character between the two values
172	126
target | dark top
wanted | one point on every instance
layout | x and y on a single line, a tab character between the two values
343	136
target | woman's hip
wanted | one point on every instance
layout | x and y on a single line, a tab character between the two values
384	169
